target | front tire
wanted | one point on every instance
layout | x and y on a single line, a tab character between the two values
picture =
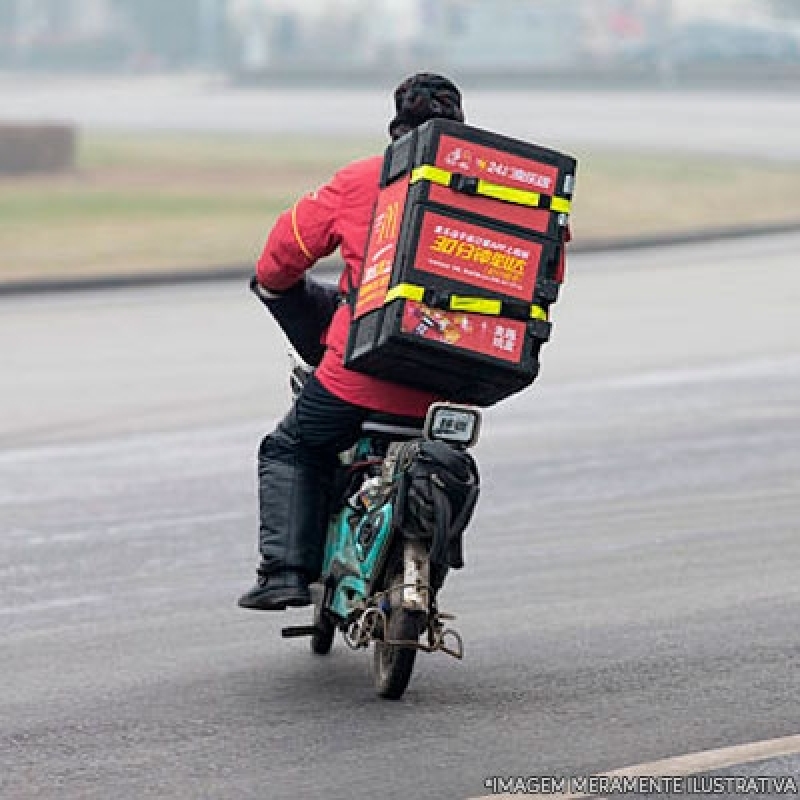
393	664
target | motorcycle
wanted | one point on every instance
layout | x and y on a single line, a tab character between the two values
402	500
379	584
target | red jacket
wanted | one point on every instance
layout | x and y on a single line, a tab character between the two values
337	215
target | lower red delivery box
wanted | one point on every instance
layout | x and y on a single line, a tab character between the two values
464	357
465	321
453	298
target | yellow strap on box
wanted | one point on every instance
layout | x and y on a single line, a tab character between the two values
405	291
476	305
537	312
472	305
427	172
520	197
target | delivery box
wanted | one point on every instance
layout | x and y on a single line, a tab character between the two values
463	261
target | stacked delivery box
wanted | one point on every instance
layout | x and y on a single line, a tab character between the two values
464	258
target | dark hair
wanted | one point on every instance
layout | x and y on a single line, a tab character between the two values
422	97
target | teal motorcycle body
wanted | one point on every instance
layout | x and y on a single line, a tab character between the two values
357	544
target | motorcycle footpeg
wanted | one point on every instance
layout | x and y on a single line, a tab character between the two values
456	649
297	631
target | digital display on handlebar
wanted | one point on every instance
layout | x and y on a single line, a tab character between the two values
459	425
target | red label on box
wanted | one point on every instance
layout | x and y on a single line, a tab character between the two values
479	256
500	338
534	219
377	270
496	166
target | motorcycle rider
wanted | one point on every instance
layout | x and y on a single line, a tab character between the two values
296	462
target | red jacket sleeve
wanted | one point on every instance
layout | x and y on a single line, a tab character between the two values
301	236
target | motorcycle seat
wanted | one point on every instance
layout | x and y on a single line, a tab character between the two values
392	427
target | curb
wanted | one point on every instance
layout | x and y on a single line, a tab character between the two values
705	236
128	281
332	266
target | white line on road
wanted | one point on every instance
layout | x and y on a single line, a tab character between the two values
691	763
53	605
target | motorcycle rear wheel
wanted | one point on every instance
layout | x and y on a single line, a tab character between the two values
393	664
322	638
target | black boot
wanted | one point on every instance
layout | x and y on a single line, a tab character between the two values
294	492
277	591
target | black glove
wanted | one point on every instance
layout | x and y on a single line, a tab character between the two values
304	312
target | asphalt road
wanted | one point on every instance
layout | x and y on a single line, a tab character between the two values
631	585
756	124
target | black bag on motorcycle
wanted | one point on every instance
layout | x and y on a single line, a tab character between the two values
436	497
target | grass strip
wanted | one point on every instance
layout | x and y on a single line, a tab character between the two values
163	202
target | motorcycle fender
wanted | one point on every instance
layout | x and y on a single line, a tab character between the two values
416	576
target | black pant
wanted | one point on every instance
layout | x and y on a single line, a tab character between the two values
296	465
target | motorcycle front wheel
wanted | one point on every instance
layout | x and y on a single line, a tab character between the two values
393	664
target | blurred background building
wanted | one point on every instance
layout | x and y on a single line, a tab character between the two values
285	39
